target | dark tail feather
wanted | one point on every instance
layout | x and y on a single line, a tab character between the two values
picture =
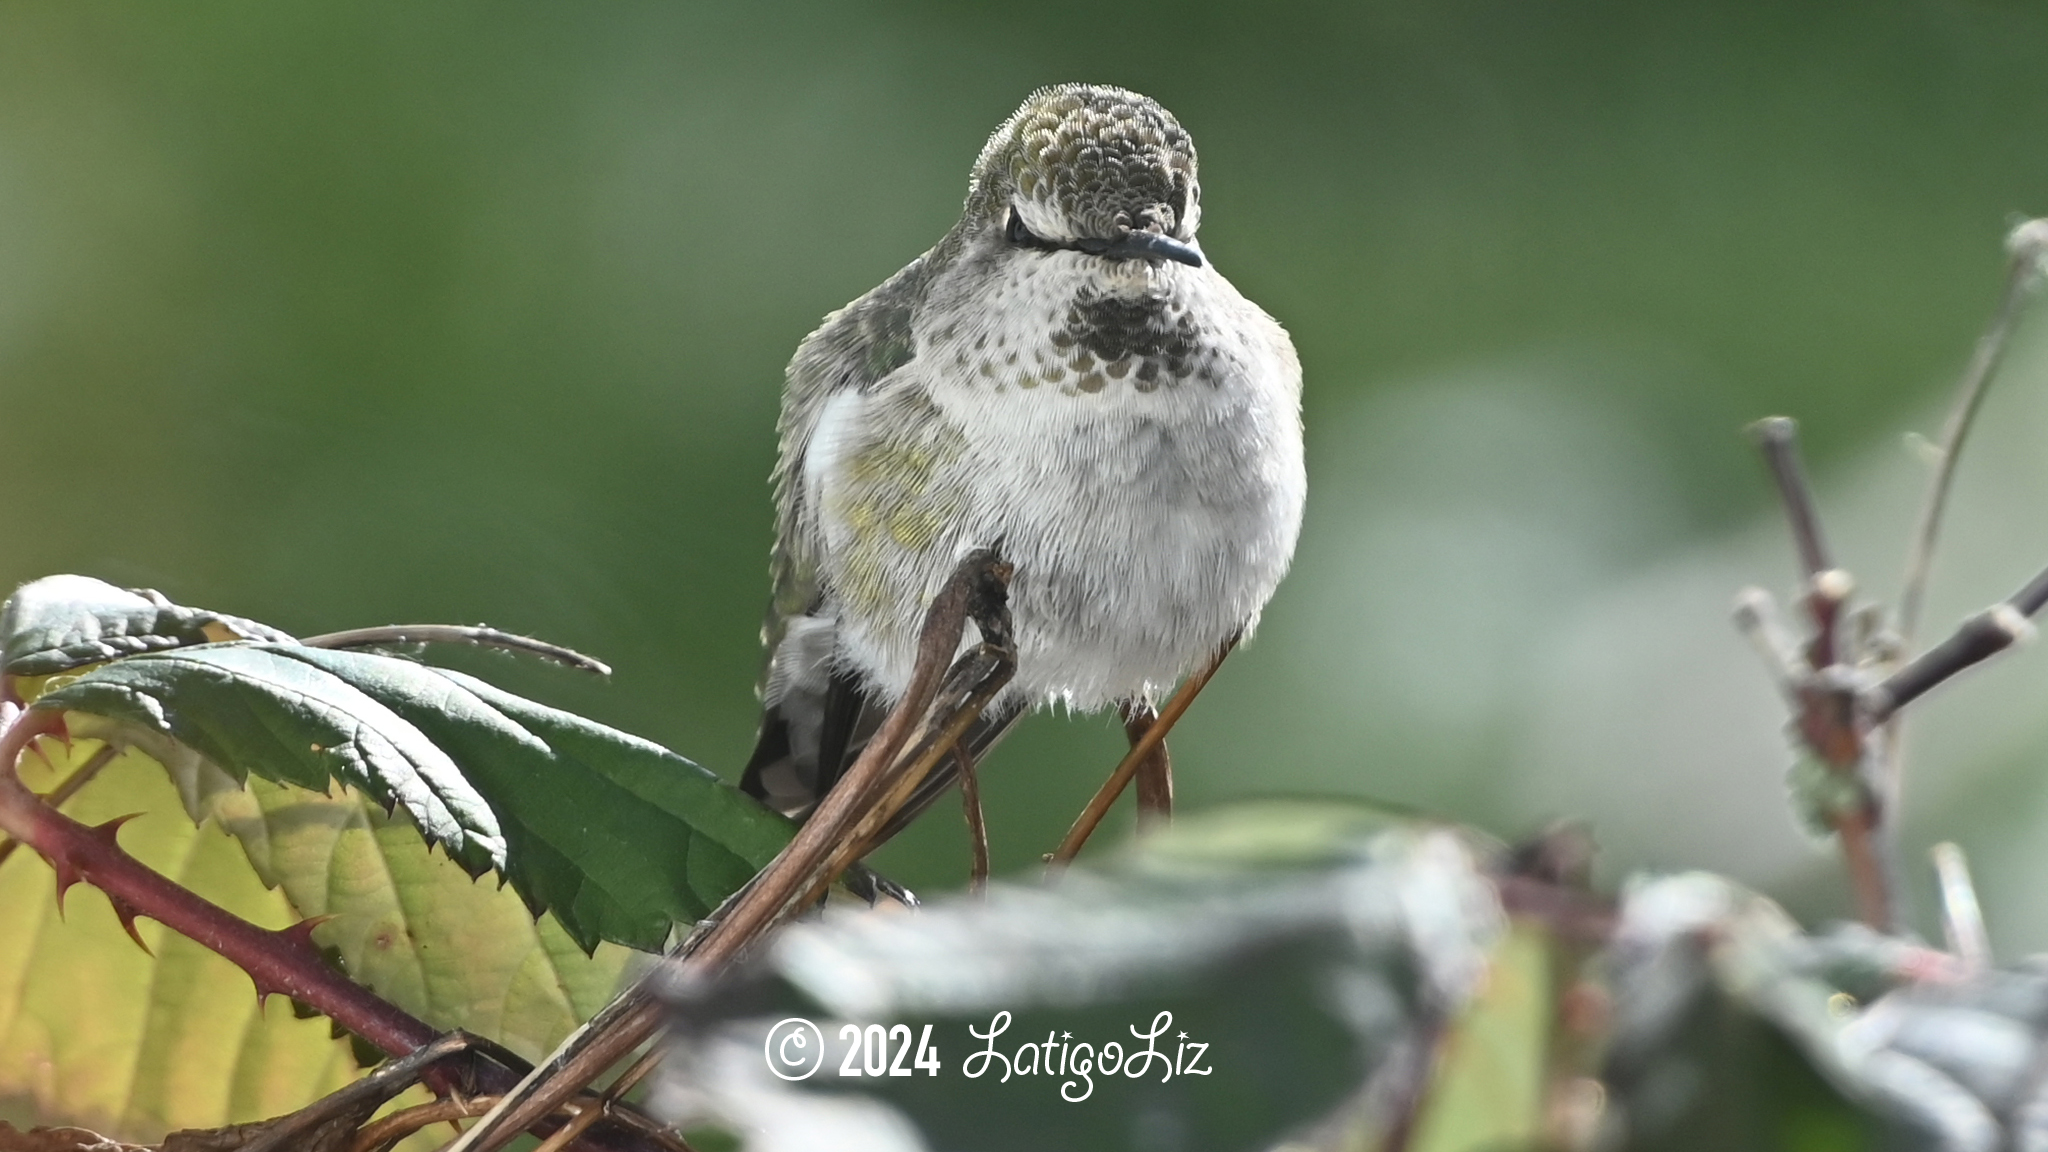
850	718
792	783
807	741
771	749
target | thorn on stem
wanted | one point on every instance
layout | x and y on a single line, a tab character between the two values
265	990
300	935
126	913
108	832
67	875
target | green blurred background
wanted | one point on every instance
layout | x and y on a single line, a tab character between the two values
364	313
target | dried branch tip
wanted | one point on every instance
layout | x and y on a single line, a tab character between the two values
1962	918
2028	243
2011	621
1756	618
1754	609
1833	584
1774	430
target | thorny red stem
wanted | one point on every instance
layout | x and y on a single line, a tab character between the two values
283	961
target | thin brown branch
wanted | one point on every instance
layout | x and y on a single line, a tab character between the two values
611	1106
354	1102
1777	437
639	1070
1830	722
476	635
1869	876
64	791
977	589
982	674
585	1116
1099	805
1826	587
1756	617
977	825
2025	244
1977	639
606	1038
1155	773
381	1135
1824	705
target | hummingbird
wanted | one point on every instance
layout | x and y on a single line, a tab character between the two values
1064	378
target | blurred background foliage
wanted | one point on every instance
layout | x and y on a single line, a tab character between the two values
334	315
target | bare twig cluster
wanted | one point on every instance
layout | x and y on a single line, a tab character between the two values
1848	680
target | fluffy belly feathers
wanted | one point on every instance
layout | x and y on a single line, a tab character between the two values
1145	529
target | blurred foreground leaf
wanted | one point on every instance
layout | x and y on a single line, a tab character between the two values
1735	1029
1487	1092
1291	983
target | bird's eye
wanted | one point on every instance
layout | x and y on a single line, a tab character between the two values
1016	233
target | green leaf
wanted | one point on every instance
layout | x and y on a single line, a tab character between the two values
258	710
62	622
412	925
618	836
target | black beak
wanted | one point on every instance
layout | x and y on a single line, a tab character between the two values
1153	246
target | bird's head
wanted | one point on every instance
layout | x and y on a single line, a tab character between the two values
1092	169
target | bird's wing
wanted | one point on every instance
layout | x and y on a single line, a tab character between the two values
852	352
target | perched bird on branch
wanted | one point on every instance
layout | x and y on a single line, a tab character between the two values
1065	379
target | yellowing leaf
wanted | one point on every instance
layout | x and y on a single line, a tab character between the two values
412	925
100	1033
97	1032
